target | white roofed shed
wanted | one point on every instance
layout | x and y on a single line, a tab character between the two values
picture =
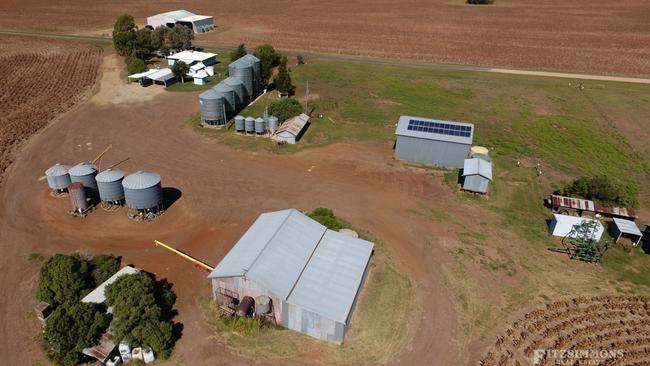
568	226
620	228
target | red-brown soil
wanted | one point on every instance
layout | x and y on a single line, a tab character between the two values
39	79
604	37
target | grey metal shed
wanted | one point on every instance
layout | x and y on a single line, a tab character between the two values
619	228
477	174
432	141
313	275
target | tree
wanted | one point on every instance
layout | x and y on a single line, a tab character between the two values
285	109
71	328
300	59
64	279
141	312
180	69
238	53
269	58
136	65
159	37
143	41
180	37
104	266
124	35
603	189
283	79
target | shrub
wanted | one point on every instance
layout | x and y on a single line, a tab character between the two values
602	189
103	267
135	65
64	279
285	109
325	216
300	60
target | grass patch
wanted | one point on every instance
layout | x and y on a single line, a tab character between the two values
220	70
36	257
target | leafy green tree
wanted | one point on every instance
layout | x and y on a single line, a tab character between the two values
180	69
159	37
285	109
141	311
71	328
124	35
104	266
238	53
136	65
143	41
180	37
269	58
283	79
64	279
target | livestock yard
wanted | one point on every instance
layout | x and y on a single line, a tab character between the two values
412	265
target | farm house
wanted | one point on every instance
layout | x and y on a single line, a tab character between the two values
477	174
434	142
198	23
312	275
621	228
191	58
566	226
292	129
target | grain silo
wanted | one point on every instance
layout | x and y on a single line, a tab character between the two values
259	126
257	72
109	185
58	178
273	124
240	124
85	173
243	71
240	90
249	124
213	108
143	192
78	198
228	94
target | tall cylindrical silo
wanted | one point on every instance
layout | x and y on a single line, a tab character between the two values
238	87
259	126
58	177
273	124
213	108
85	173
240	124
109	185
249	124
243	71
257	72
143	191
77	193
228	94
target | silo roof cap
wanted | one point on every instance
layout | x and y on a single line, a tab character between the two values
231	80
222	87
109	175
57	170
141	180
210	94
82	169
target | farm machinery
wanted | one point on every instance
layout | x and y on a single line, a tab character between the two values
581	243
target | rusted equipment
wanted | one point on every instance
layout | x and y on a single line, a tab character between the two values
246	306
582	207
78	197
43	311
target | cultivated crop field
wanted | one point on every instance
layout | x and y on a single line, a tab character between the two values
582	35
40	79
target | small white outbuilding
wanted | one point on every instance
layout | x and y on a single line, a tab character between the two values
567	226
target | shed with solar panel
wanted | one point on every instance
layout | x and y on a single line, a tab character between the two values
433	142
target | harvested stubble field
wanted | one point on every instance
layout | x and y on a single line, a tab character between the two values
600	323
40	79
610	37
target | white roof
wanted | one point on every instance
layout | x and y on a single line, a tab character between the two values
197	66
195	18
564	225
178	14
301	261
478	166
97	295
189	56
201	74
627	227
142	74
161	75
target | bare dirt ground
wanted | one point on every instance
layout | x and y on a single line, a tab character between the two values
222	191
114	89
600	37
39	79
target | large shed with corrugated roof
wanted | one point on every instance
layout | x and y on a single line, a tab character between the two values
312	275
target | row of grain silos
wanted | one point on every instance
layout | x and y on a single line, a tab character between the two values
258	126
141	191
233	93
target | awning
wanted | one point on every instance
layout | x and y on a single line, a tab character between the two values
142	74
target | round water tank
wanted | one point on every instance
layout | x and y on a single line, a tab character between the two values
57	176
213	108
239	124
478	150
260	127
77	194
84	173
143	191
228	94
246	306
244	72
262	304
249	124
238	87
109	185
273	123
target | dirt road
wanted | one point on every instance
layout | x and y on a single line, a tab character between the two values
222	192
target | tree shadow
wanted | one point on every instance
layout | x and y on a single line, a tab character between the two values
170	196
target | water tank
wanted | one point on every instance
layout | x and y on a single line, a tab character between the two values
238	87
243	71
262	304
249	124
228	94
239	124
273	123
213	107
85	173
109	185
77	193
143	191
57	176
245	307
260	127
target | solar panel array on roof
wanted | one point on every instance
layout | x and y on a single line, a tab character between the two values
439	128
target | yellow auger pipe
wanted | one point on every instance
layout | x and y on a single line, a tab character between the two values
102	153
189	258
